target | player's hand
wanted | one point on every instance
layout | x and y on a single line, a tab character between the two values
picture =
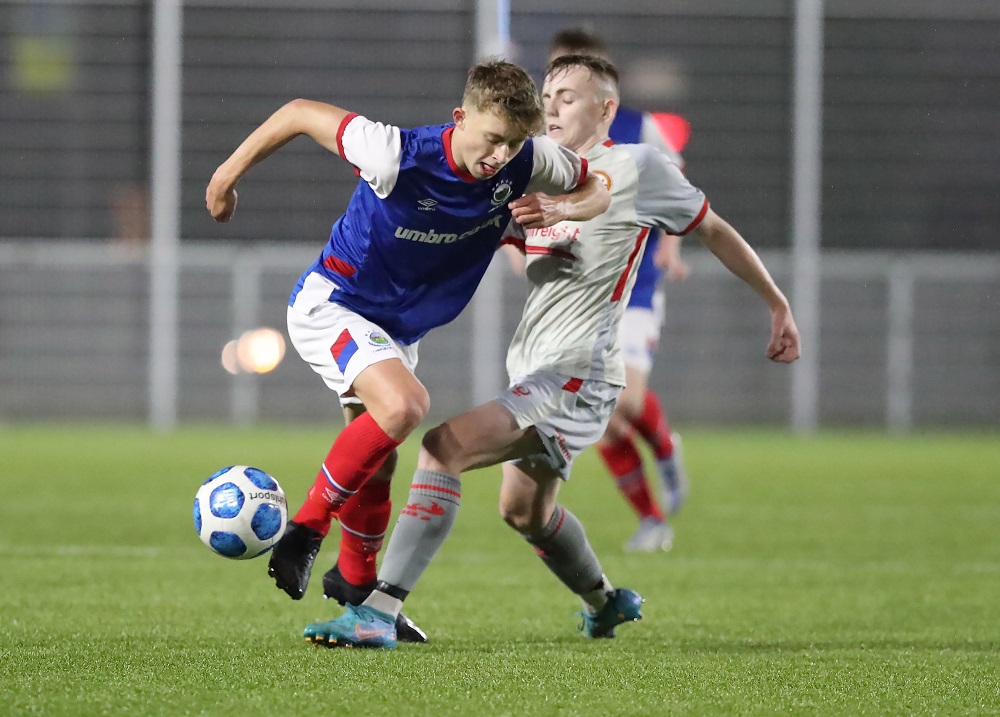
537	211
220	200
784	344
678	270
668	256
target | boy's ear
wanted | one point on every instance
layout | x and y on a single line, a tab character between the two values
458	114
610	109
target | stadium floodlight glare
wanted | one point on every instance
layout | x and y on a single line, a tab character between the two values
229	362
255	351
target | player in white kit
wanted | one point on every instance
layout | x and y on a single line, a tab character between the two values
565	366
639	412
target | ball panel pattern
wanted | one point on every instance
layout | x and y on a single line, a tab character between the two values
261	479
266	521
197	516
226	501
228	544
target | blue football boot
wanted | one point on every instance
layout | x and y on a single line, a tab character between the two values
623	605
360	626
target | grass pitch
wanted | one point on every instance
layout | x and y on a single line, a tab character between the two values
844	574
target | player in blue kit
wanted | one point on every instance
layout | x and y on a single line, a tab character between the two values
639	410
418	234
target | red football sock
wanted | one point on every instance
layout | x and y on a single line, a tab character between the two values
363	521
358	452
653	426
625	464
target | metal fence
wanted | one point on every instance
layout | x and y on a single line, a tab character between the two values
910	150
906	339
910	106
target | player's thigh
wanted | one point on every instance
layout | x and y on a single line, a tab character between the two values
568	414
630	401
484	436
638	337
340	345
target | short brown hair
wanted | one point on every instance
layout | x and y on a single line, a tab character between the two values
577	41
508	91
604	73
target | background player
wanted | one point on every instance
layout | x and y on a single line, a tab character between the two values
639	410
417	237
565	367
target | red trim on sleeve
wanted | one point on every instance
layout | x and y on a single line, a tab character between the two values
583	172
459	172
620	286
515	242
697	220
573	385
340	133
609	143
549	251
339	266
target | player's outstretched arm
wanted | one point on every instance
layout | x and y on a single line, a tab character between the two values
538	210
740	258
318	120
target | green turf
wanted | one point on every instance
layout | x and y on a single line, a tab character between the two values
844	574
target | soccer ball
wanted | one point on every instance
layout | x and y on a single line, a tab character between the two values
240	512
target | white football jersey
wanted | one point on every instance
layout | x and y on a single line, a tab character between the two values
581	273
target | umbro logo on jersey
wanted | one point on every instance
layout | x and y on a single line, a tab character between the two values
432	237
426	205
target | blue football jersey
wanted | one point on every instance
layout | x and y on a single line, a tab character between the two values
420	232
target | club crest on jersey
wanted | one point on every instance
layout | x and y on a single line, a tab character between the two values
604	178
501	194
376	338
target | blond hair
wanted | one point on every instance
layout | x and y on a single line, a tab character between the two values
507	91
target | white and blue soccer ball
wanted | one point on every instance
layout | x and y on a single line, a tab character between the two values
240	512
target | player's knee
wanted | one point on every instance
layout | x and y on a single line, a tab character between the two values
518	516
438	449
405	410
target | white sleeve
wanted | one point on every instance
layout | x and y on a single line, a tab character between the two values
556	169
374	149
650	134
665	199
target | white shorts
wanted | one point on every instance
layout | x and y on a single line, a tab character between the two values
568	413
339	344
639	335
